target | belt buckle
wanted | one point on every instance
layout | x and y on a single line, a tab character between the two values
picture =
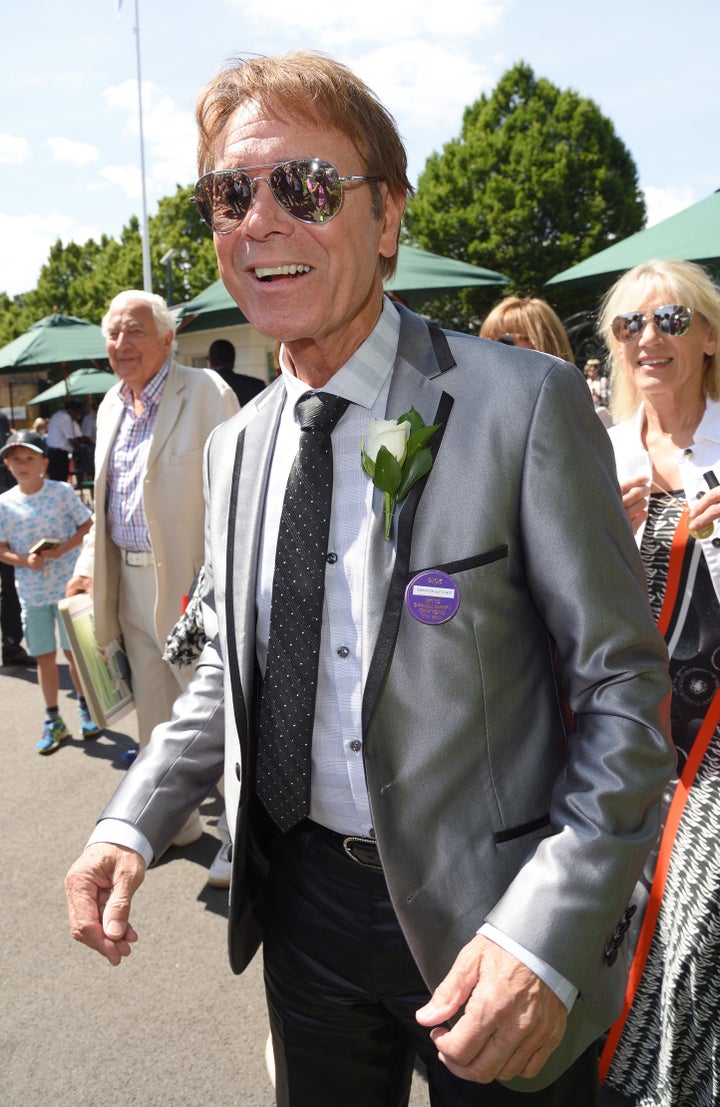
362	851
137	559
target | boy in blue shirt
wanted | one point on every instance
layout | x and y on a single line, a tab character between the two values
35	509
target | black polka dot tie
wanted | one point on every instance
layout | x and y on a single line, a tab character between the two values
287	700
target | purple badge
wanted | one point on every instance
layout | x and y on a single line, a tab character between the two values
432	597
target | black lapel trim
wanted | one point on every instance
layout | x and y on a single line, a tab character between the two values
238	698
387	635
441	348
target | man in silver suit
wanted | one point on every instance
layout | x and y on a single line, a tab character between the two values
489	694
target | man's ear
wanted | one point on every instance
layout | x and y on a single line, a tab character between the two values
393	208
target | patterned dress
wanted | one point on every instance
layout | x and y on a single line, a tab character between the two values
665	1049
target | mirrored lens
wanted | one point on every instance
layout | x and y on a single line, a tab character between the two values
673	320
310	190
223	199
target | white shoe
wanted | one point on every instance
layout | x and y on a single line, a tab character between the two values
270	1059
221	868
190	832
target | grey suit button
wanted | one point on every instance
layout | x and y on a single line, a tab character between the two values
356	745
331	558
237	769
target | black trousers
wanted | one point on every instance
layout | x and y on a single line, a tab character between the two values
343	988
58	464
10	617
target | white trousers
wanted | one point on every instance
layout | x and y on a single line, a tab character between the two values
156	685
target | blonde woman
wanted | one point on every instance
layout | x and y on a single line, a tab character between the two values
661	323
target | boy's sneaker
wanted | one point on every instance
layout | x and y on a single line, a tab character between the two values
53	734
89	727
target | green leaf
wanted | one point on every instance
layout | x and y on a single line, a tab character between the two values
419	437
417	467
414	418
368	465
388	473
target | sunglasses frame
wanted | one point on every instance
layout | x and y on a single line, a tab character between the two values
663	318
242	176
508	338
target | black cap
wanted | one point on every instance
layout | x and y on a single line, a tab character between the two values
27	438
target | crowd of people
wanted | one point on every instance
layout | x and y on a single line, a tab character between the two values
438	615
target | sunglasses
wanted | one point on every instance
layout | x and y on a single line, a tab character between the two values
673	320
509	339
309	189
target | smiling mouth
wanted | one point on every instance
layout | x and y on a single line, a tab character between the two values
268	273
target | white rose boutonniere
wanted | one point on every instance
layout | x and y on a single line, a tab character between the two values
396	456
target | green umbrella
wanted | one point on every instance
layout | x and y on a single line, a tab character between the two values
54	341
81	382
420	276
690	235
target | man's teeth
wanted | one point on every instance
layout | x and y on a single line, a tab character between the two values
282	271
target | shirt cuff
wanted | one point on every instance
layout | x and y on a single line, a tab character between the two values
563	989
123	834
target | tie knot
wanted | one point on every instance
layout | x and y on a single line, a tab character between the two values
320	411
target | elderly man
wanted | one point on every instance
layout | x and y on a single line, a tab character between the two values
434	858
146	543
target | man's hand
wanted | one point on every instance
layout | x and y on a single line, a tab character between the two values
76	585
512	1021
99	888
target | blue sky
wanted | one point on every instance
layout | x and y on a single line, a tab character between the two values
69	145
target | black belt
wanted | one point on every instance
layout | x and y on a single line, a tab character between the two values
361	851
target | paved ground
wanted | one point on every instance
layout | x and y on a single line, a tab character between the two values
171	1025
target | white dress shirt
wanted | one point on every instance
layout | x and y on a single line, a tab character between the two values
339	798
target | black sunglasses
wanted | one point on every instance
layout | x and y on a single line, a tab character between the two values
674	320
509	339
309	189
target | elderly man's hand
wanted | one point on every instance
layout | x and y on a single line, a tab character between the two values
99	888
512	1021
76	585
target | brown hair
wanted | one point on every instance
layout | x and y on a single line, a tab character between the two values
532	318
310	86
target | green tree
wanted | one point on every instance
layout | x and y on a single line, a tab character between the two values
537	181
81	280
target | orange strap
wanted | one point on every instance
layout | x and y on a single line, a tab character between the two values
699	749
700	745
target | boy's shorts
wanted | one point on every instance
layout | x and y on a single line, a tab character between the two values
39	627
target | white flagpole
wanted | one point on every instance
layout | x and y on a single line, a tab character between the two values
147	272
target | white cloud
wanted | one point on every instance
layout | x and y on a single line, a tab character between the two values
79	153
664	202
14	150
125	177
403	20
25	244
408	82
168	132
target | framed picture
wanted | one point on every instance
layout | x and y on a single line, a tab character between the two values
103	670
